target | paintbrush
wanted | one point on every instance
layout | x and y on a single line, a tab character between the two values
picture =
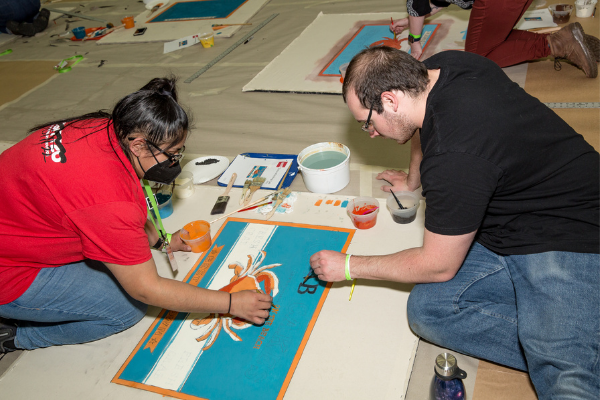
395	198
254	186
256	206
156	7
221	204
244	190
397	201
279	200
251	204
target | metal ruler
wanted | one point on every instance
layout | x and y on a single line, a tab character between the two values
573	105
231	48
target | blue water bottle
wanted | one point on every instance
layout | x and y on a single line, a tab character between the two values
447	383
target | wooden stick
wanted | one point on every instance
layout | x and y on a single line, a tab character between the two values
228	24
544	30
246	206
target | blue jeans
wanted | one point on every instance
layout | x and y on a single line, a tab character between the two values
538	313
17	10
75	303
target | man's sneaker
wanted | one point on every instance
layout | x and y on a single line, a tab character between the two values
41	21
8	332
569	43
21	28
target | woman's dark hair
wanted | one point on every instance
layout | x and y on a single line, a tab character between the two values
152	111
381	69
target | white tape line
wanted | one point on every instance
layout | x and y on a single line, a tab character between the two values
366	180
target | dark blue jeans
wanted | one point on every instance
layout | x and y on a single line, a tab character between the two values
17	10
75	303
538	313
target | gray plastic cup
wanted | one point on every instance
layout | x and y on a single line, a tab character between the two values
409	200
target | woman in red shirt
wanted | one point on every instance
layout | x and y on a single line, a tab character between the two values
75	260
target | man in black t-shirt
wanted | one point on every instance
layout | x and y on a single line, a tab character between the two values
509	269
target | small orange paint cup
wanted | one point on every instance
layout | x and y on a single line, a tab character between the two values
128	22
196	234
363	212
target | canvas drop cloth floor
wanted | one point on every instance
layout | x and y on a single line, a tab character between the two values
229	122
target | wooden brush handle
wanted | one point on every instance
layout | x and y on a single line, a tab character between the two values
272	212
238	210
280	198
230	184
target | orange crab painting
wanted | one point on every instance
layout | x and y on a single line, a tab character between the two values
249	277
394	43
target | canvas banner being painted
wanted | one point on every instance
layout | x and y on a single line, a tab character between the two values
218	356
310	64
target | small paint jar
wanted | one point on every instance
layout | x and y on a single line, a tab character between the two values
363	212
196	234
184	185
207	39
409	201
165	204
128	22
79	32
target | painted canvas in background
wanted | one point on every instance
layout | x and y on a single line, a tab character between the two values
238	12
300	67
371	36
193	10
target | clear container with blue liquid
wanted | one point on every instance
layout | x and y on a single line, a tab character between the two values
447	383
164	200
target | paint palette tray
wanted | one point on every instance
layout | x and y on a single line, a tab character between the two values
278	169
88	32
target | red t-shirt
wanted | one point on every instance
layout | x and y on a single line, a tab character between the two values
67	194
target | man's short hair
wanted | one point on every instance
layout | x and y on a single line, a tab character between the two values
381	69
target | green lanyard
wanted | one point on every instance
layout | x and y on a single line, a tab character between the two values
154	214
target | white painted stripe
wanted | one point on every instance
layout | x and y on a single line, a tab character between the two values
183	351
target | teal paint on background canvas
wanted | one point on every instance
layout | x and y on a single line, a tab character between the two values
190	10
367	36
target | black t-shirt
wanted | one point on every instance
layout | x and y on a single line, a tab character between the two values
497	160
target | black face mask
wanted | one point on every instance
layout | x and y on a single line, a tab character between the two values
162	172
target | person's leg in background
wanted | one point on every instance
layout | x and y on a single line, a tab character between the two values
473	313
22	17
75	303
490	34
558	303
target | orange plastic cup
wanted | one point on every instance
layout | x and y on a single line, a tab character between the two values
363	212
128	22
196	234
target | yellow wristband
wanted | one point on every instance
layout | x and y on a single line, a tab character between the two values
348	278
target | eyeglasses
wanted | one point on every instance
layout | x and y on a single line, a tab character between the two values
174	158
368	125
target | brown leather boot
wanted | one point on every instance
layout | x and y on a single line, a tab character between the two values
569	43
593	43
